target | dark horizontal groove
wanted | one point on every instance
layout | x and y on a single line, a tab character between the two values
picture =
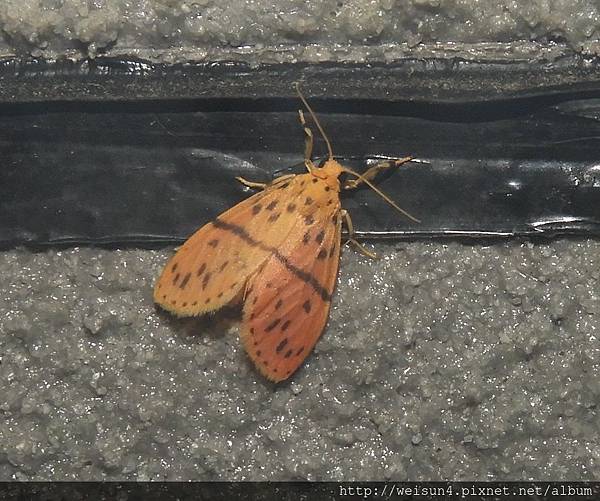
465	112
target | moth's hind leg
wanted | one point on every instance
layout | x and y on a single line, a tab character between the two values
372	172
350	227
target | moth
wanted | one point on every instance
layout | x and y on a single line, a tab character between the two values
277	252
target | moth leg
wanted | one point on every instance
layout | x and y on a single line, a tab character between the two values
308	145
280	179
350	227
370	173
262	186
251	184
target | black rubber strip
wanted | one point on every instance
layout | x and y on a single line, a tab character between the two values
134	174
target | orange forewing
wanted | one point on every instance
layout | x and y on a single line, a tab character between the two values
212	266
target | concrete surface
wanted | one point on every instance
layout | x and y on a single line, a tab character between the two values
441	361
292	30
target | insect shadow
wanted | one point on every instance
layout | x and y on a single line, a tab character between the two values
192	330
215	325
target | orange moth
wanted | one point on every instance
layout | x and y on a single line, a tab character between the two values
277	252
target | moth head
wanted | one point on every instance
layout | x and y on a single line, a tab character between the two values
332	169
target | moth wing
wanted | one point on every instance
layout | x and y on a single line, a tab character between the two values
288	300
210	269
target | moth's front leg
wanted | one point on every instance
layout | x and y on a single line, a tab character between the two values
251	184
262	186
371	172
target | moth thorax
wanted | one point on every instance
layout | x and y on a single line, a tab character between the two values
331	168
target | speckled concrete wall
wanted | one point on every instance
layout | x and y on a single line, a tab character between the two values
311	31
443	360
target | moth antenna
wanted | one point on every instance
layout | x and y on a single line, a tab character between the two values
381	194
315	119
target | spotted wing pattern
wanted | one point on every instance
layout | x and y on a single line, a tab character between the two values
211	268
288	300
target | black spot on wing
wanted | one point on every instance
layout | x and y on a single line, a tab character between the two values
272	325
185	280
282	345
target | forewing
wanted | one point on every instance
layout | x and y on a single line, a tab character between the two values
212	266
288	300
